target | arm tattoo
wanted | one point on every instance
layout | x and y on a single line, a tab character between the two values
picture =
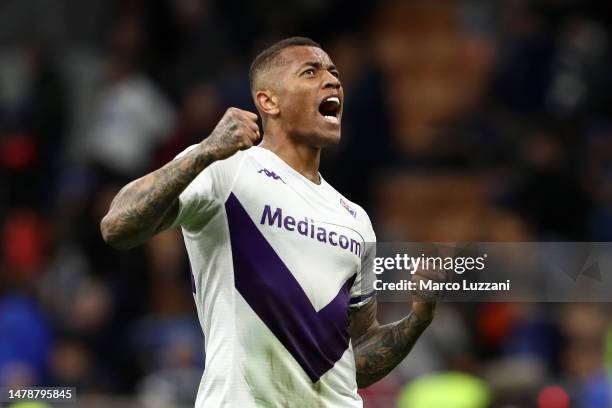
379	349
149	204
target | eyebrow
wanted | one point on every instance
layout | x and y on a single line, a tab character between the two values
318	65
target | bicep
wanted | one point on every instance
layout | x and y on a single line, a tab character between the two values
362	319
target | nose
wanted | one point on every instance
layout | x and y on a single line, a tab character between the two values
331	81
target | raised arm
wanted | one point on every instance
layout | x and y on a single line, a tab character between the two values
379	349
150	204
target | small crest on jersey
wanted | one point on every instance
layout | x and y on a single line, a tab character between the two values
271	174
348	208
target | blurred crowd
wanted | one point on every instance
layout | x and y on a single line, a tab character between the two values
463	121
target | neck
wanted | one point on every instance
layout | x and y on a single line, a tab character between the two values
302	158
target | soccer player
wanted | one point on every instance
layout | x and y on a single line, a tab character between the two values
279	257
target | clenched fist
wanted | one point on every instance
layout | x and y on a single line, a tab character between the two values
424	301
237	130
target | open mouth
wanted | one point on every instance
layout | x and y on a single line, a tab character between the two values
330	109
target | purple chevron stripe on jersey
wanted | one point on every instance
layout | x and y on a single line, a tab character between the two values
315	339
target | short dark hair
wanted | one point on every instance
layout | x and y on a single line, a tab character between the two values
270	56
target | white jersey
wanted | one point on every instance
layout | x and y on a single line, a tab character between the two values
277	261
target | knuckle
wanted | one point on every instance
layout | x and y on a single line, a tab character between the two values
231	113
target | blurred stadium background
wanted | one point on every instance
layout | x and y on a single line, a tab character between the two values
464	120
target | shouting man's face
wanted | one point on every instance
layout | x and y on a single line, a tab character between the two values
309	95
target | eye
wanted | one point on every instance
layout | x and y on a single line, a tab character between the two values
309	72
335	73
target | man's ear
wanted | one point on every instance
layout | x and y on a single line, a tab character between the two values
267	103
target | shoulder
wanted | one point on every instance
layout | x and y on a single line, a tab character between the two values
364	218
219	176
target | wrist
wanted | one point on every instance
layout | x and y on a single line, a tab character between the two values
208	151
423	311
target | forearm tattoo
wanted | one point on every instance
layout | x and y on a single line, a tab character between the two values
379	350
148	204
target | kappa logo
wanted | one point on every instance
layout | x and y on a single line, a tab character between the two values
348	208
271	174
